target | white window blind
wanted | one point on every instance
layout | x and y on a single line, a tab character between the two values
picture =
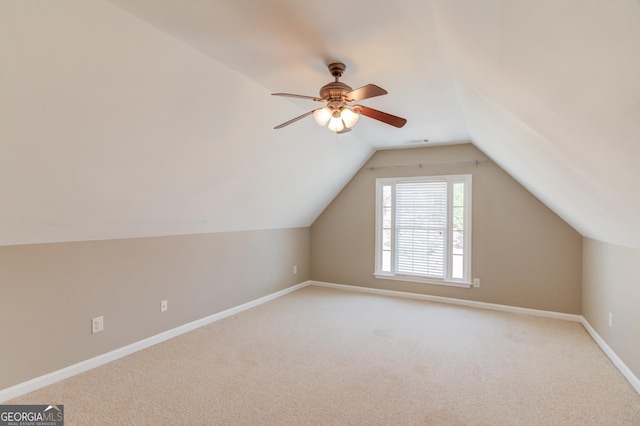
421	224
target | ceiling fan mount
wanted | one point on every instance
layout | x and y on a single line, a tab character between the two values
337	113
337	69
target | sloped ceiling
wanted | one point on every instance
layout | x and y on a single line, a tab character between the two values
132	118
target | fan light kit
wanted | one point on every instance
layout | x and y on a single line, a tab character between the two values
337	114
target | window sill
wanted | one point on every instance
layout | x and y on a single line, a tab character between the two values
423	280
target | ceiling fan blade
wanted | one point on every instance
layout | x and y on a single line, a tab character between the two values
345	130
293	120
380	116
290	95
364	92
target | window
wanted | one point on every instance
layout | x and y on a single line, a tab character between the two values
423	229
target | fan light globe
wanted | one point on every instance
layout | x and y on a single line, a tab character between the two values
349	117
336	124
322	116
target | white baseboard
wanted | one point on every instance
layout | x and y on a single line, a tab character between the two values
626	372
81	367
452	301
56	376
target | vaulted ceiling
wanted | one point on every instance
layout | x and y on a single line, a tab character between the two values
134	118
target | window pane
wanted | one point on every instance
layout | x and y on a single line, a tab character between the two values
421	205
421	219
457	267
458	218
386	196
458	242
386	217
420	252
386	239
458	194
386	261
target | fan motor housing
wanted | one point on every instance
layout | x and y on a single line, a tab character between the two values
334	90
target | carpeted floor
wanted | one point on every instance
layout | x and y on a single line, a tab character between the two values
323	356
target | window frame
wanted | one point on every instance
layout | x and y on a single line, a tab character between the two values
466	280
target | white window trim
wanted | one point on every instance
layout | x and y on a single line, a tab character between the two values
448	281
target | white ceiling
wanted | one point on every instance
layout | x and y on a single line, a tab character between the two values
133	118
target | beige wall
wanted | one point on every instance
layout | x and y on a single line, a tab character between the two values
50	292
523	253
611	283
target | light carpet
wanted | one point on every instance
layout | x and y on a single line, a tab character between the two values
323	356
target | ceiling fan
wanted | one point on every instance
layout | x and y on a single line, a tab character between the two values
338	114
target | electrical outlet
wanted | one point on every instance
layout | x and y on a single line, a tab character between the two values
97	324
295	269
610	319
164	306
476	282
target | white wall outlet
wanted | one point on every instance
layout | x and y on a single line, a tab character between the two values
295	269
476	282
164	306
610	319
97	324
